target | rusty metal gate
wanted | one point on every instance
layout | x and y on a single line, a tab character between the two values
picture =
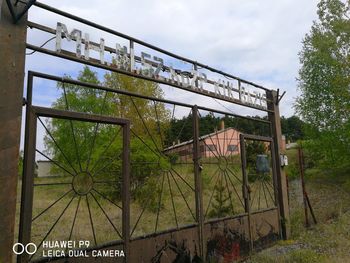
126	185
203	169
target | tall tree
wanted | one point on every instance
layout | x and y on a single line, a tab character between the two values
144	114
69	142
324	82
96	148
292	128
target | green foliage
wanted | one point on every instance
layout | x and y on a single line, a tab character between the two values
149	194
292	128
98	147
253	148
138	110
221	204
324	81
182	129
292	169
76	138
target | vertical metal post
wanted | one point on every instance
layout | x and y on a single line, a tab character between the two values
305	195
276	134
274	178
12	56
198	182
301	169
28	171
126	191
245	189
27	182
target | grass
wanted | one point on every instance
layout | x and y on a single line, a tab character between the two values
83	212
329	240
174	192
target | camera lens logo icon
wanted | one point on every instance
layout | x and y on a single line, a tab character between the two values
19	248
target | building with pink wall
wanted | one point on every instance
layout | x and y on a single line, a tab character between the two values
224	142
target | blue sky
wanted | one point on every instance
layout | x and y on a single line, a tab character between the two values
258	41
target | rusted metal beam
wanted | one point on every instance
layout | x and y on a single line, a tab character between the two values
96	63
12	54
275	184
276	133
137	95
27	183
301	170
126	191
246	189
135	58
135	40
198	182
306	199
71	115
257	138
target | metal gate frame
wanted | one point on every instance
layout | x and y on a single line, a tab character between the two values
246	188
272	96
200	225
32	113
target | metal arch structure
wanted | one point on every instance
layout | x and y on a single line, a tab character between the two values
257	207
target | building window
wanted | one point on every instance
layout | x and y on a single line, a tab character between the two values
211	147
183	152
232	148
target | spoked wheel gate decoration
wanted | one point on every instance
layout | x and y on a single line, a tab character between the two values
134	177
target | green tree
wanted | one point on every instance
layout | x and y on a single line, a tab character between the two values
221	204
182	128
150	121
74	139
324	81
96	148
143	114
292	128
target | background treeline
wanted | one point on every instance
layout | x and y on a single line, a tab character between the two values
181	129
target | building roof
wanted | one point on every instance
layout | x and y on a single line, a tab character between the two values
200	138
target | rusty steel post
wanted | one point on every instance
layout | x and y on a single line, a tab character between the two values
301	170
27	182
306	199
198	183
276	134
12	56
126	191
246	190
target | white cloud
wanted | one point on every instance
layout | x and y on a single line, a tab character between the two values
255	40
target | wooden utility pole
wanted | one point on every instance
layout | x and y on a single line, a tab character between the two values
12	60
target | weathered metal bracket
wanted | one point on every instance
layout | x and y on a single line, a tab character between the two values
16	12
278	97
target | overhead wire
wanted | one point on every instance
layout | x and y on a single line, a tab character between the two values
47	41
